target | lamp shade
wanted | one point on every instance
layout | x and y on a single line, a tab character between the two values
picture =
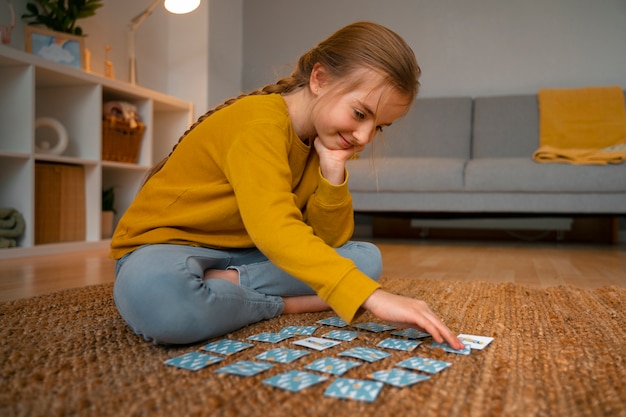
181	6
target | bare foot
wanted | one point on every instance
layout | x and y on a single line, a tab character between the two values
231	275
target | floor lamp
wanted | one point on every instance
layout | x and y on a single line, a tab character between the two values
172	6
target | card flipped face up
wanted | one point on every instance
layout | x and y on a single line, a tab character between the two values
475	342
317	343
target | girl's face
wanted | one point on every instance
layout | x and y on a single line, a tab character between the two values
350	119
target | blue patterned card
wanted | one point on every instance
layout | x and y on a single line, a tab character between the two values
193	361
332	366
295	380
298	330
399	344
269	337
282	355
411	334
374	327
244	368
366	354
354	389
333	321
345	335
431	366
398	377
445	346
227	346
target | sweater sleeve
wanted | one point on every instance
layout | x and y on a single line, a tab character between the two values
331	202
257	167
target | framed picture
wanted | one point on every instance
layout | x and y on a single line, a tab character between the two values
55	46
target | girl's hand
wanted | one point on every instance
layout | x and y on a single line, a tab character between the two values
333	161
407	312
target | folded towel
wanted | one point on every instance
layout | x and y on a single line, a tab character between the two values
11	226
582	126
11	222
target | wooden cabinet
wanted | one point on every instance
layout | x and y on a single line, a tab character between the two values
32	88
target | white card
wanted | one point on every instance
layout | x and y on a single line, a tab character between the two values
316	343
475	342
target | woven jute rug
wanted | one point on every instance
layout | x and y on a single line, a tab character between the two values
557	352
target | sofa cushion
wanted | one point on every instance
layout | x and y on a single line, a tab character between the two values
433	127
505	126
406	174
525	175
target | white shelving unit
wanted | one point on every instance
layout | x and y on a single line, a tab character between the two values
32	87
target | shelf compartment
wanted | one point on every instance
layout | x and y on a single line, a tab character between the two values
77	108
16	108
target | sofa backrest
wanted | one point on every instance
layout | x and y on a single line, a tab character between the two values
505	126
437	127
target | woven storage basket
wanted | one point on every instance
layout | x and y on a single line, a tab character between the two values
120	142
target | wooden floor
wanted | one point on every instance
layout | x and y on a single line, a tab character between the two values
533	264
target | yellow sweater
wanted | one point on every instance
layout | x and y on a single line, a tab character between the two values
240	179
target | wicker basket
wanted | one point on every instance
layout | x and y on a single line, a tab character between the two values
120	142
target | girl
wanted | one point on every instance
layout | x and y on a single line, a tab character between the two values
250	216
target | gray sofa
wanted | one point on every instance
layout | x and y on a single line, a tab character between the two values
474	155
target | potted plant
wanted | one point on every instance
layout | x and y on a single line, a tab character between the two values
61	15
108	212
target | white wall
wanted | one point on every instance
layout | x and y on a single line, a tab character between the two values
225	49
479	47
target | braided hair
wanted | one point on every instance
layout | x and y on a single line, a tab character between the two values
356	46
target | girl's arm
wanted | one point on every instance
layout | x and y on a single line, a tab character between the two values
329	210
396	309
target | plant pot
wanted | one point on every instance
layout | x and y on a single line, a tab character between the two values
106	224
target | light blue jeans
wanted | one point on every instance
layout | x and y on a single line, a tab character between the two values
160	291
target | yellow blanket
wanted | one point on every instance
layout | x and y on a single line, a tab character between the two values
582	126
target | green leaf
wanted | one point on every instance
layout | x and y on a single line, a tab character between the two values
61	15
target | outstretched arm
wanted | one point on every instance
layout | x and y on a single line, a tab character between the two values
396	309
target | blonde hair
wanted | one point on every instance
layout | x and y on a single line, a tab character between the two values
352	48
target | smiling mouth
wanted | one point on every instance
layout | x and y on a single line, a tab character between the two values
344	143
